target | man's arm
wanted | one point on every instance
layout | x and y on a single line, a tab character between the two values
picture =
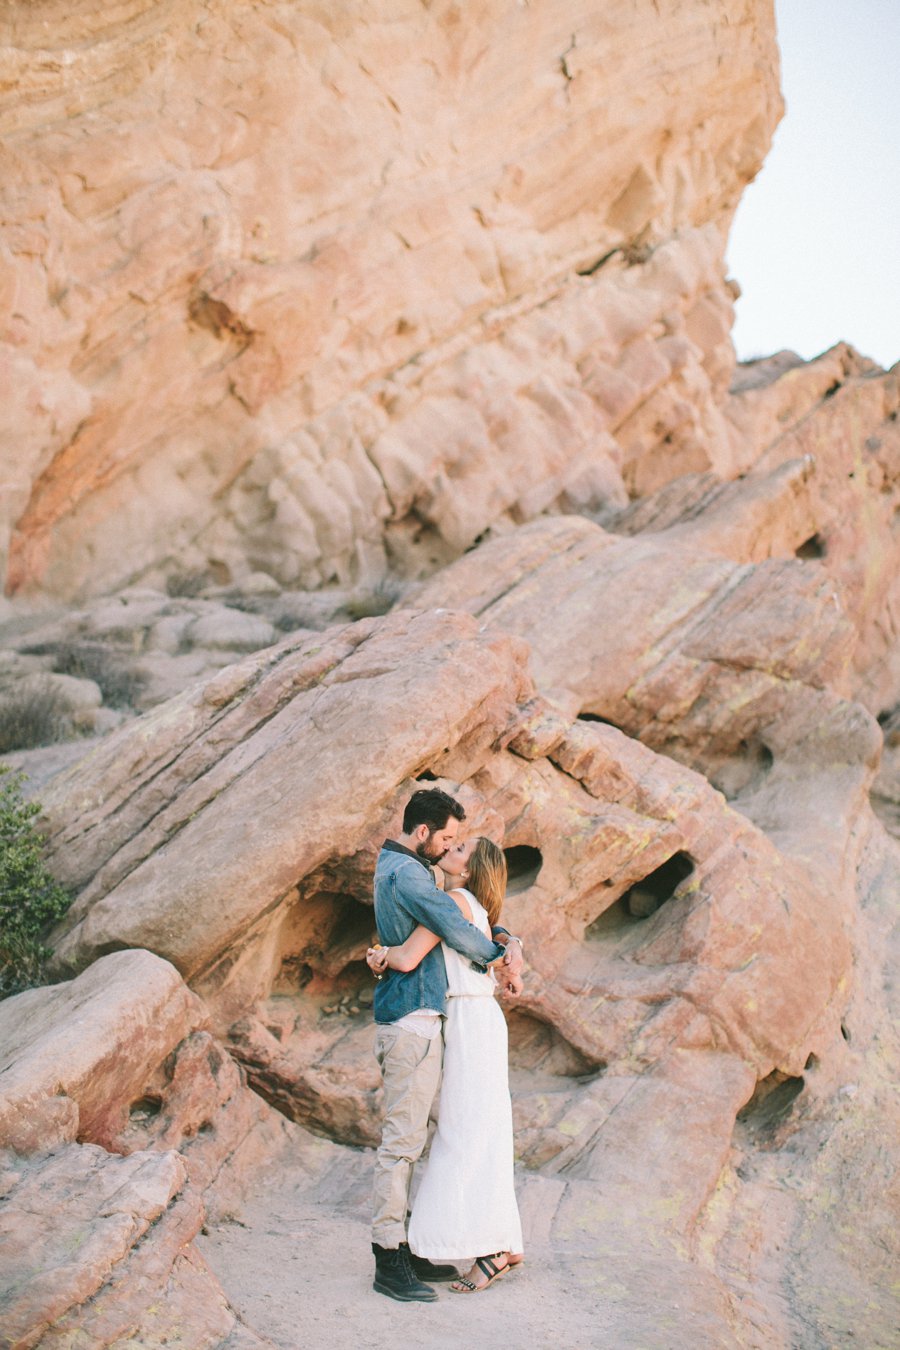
513	946
431	907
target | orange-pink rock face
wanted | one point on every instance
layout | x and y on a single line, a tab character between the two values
275	273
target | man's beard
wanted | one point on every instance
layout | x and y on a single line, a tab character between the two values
422	851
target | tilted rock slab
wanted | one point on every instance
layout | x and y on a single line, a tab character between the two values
186	827
728	668
824	486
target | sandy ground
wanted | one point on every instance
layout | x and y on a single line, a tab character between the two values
297	1266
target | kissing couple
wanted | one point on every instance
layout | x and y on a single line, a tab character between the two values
434	1005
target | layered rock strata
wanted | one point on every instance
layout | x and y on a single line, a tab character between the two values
255	256
98	1251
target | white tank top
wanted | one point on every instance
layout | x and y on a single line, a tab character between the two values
462	978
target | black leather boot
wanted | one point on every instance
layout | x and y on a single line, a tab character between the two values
395	1277
427	1270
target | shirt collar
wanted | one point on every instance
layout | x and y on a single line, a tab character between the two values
393	847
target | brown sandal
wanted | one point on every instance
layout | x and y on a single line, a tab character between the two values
488	1266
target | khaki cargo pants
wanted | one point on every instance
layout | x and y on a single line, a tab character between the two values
411	1068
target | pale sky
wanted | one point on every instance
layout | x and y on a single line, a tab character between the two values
816	241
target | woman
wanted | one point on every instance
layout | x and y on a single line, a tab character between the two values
466	1202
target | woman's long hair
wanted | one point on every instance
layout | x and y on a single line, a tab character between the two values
487	877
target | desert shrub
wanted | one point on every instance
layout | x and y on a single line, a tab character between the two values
30	899
117	682
285	622
374	603
187	585
32	714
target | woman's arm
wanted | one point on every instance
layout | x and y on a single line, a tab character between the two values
417	946
405	957
417	894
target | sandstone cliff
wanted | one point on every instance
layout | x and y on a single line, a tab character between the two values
375	420
328	292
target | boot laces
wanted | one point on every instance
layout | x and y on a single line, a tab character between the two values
407	1266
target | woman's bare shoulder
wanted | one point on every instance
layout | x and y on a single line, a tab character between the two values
462	903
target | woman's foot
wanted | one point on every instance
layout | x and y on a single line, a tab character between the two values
515	1258
485	1271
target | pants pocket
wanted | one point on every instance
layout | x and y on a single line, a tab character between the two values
401	1049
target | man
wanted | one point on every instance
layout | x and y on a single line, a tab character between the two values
408	1011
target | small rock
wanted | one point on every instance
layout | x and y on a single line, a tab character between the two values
167	633
231	630
260	583
642	903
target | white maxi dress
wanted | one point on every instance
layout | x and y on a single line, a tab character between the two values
466	1203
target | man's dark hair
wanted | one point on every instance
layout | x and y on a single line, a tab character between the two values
430	807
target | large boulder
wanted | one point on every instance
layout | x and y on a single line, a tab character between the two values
97	1250
76	1055
117	1113
121	1057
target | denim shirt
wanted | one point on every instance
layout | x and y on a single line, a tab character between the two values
406	896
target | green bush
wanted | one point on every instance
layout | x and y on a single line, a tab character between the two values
30	899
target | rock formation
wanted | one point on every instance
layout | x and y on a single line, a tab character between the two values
254	259
376	422
117	1110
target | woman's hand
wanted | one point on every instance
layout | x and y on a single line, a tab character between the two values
510	985
376	960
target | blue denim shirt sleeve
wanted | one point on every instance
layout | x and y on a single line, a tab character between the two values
434	909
